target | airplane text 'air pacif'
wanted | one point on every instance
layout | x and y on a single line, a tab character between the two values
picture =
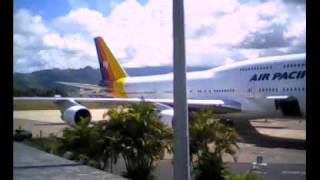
278	76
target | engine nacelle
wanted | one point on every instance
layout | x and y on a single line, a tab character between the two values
167	116
73	114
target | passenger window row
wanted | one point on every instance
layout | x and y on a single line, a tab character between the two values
293	65
268	89
213	90
293	89
255	68
283	89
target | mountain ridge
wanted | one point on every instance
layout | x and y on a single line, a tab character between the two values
46	79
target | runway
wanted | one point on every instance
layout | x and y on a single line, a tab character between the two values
281	143
44	122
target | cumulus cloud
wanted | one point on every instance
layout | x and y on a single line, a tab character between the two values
146	29
38	47
272	37
217	32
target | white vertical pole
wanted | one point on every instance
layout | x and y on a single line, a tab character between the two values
181	131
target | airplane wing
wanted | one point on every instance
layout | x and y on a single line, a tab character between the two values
219	105
72	108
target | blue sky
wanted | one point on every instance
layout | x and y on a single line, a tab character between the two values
59	34
49	9
43	8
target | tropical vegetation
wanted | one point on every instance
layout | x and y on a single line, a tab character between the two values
38	92
210	139
135	134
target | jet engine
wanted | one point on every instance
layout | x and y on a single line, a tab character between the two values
166	117
74	114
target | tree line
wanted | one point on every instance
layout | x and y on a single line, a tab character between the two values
18	92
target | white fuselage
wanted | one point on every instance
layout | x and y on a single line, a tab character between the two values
248	82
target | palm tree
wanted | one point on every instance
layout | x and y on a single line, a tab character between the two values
205	129
83	140
136	133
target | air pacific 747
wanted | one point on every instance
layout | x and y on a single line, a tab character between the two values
265	87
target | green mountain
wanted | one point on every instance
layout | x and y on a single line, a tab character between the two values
46	79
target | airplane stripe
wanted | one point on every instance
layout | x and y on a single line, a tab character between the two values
107	71
115	72
105	58
104	75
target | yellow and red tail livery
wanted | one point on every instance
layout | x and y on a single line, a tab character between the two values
113	75
110	68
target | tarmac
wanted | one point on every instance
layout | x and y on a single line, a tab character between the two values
281	143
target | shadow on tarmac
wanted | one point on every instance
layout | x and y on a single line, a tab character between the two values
249	134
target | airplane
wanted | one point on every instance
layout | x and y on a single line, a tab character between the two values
267	87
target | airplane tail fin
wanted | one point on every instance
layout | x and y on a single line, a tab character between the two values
110	68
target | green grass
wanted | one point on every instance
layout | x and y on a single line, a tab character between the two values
38	105
24	105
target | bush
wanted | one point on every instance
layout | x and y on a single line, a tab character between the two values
21	135
204	129
136	134
69	155
83	140
249	175
49	144
209	166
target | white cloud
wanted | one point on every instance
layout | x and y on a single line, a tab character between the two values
130	25
25	22
141	35
74	42
38	47
250	53
297	29
229	61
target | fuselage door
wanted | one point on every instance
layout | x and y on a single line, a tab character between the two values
251	91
